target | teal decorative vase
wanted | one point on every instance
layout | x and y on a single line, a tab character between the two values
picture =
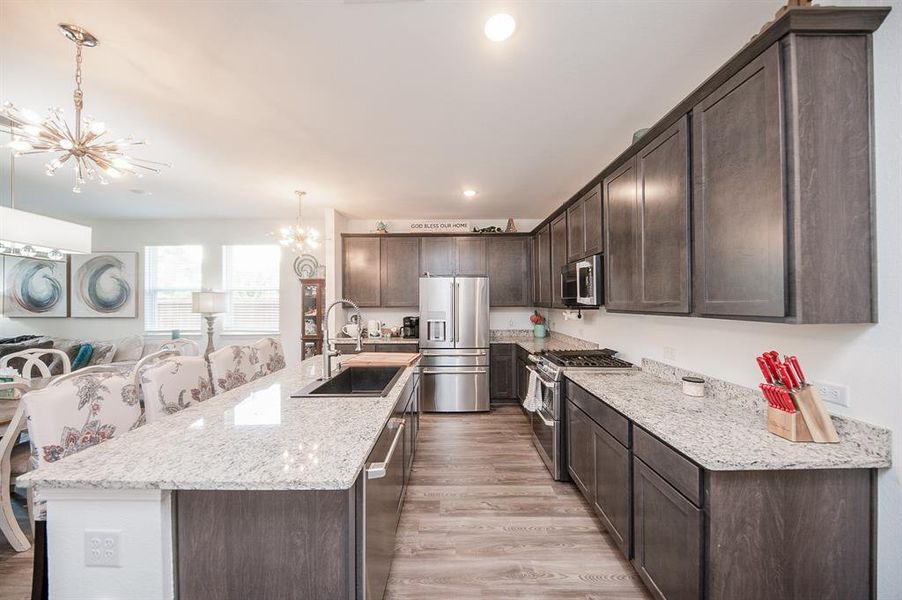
539	330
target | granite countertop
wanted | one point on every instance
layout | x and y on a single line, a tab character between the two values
254	437
727	430
525	339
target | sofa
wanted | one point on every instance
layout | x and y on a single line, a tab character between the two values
81	353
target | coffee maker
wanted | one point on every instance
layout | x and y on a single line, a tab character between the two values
411	327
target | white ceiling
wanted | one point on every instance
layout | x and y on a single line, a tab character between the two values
379	108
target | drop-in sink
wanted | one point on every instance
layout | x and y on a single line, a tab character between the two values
353	381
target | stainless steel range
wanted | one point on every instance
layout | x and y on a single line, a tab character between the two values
548	423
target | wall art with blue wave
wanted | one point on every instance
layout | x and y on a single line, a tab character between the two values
105	284
34	287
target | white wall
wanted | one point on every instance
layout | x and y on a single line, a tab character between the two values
133	235
866	358
403	225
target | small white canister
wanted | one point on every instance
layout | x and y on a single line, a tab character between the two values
694	386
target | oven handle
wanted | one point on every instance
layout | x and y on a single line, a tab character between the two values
539	377
548	423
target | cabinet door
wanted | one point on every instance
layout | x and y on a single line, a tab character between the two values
621	222
663	171
593	221
613	490
361	270
576	232
522	380
739	208
471	256
438	255
668	542
581	450
502	381
558	257
400	272
509	273
543	267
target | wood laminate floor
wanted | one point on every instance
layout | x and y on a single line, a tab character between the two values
15	567
483	519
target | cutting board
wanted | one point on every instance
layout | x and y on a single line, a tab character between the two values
382	359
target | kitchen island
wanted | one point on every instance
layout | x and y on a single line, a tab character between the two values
252	493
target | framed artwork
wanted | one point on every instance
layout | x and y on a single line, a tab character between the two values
105	284
34	287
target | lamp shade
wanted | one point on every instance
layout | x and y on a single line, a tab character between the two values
208	302
22	228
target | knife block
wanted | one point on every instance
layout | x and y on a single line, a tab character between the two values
810	423
790	426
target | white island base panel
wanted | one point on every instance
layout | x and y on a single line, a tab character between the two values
143	521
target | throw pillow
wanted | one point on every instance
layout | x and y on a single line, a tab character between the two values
103	353
129	349
83	357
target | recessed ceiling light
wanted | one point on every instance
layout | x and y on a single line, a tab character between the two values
500	27
470	193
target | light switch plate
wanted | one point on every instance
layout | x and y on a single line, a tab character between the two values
103	548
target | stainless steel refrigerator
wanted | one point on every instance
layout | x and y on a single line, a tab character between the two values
454	341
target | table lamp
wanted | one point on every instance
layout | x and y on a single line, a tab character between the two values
209	304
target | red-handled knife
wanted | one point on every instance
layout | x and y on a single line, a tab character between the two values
771	366
762	364
791	407
769	395
793	380
785	378
794	361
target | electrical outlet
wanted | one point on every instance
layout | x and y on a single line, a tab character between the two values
833	393
102	548
510	324
669	353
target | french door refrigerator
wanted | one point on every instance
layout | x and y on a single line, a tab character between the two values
454	342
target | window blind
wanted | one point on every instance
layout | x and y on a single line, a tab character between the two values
251	279
171	273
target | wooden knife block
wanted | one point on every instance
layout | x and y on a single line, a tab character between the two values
810	423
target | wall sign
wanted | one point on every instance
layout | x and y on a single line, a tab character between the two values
439	226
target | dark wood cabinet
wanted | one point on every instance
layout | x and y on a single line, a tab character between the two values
522	379
471	256
558	257
509	271
581	450
613	493
648	237
668	537
622	225
409	348
542	261
361	272
739	202
584	226
400	277
502	372
438	255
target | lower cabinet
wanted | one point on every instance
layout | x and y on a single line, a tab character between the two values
502	372
581	450
668	545
613	497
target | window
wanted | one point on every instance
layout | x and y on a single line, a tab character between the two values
250	277
171	273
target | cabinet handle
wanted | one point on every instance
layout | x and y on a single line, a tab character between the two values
377	469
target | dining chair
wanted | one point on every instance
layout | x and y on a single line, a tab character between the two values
33	360
14	461
233	366
271	355
184	346
174	383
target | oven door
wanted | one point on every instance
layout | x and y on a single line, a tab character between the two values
546	429
588	278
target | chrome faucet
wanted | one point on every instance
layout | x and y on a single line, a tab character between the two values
329	344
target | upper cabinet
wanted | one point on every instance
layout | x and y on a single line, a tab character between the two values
584	229
648	227
558	257
471	256
542	262
400	272
361	272
739	195
438	255
509	266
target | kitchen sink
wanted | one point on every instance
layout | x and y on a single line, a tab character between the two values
353	381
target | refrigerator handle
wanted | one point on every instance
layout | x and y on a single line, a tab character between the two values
453	314
456	312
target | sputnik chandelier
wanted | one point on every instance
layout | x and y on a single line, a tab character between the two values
93	158
298	237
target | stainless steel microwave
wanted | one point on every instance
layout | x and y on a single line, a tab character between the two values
581	282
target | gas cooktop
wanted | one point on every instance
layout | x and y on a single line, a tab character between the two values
591	359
